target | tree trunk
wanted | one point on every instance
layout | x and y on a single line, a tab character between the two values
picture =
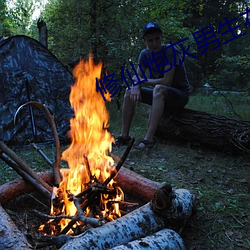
43	32
10	237
212	131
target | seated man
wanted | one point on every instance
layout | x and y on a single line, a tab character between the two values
168	85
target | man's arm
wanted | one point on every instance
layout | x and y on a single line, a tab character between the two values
167	78
135	91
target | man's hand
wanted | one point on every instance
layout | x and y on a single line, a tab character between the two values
135	93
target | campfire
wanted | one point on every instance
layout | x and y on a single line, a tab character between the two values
87	198
87	188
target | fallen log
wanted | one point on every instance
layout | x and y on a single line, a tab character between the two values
212	131
163	239
18	187
132	183
10	237
136	185
150	218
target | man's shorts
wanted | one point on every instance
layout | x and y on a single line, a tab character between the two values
174	100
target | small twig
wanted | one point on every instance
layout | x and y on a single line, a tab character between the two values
38	201
96	187
86	162
79	215
52	217
120	163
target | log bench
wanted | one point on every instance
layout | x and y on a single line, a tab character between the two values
208	130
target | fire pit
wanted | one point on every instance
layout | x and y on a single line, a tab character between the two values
86	198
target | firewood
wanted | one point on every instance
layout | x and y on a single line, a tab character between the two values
26	176
13	156
120	163
150	218
10	237
138	223
161	240
18	187
136	185
140	187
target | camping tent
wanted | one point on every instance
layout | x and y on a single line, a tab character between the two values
30	72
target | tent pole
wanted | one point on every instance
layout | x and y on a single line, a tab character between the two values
33	125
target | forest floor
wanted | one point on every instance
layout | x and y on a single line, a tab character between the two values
219	180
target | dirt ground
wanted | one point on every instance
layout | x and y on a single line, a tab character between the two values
220	182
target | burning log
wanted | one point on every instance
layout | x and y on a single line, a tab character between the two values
216	132
10	237
165	210
163	239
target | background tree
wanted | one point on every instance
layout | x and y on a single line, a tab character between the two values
111	31
216	66
4	19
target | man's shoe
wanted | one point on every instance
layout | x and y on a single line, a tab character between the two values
146	144
121	141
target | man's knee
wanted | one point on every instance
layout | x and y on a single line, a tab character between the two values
127	94
159	91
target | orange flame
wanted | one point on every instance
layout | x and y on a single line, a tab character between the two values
87	156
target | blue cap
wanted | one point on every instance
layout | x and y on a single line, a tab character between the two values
150	26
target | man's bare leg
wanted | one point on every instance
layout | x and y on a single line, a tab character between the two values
128	110
156	112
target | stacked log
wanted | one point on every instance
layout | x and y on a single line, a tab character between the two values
167	209
161	240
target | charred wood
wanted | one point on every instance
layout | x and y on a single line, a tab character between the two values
120	163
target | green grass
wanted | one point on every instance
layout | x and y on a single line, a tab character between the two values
219	180
232	106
